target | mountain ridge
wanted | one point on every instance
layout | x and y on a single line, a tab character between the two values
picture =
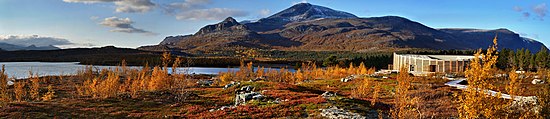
316	28
12	47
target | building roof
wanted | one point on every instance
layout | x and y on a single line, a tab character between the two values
438	57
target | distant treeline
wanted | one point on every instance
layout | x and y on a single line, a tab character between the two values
377	61
523	59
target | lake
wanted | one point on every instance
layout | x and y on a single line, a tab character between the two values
20	70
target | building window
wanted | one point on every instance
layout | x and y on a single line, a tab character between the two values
432	68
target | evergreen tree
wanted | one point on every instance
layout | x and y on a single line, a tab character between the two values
503	58
527	61
542	58
520	58
330	61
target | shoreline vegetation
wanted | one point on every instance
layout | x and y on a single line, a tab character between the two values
112	56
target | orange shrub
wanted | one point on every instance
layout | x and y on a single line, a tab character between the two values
35	88
50	94
20	92
4	96
160	80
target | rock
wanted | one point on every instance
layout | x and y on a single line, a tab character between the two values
226	107
222	108
245	89
10	82
335	113
537	81
231	84
328	94
245	94
205	82
242	98
345	79
351	77
258	79
501	75
276	101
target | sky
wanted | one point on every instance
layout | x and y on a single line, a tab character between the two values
134	23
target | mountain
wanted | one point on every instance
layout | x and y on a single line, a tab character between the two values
11	47
297	13
308	27
306	11
476	38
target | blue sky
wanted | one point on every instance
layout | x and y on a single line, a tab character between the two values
134	23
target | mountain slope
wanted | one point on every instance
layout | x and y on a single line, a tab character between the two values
477	38
316	28
227	35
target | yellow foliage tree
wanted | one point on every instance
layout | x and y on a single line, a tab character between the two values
20	92
226	77
35	87
362	68
160	80
4	96
50	94
404	104
300	76
376	93
363	90
474	102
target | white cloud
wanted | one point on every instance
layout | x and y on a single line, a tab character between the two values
186	5
265	12
210	14
123	25
127	6
541	10
196	10
27	40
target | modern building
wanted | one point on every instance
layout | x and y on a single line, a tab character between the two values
426	64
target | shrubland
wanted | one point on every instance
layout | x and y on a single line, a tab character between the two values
153	92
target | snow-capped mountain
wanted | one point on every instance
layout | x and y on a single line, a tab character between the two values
306	11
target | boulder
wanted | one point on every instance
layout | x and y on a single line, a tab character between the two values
233	83
246	93
335	113
328	94
537	81
242	98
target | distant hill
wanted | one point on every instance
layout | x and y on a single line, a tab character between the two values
11	47
307	27
97	56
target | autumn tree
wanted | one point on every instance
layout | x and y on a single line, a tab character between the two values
4	96
34	88
404	104
376	93
474	102
20	92
50	94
